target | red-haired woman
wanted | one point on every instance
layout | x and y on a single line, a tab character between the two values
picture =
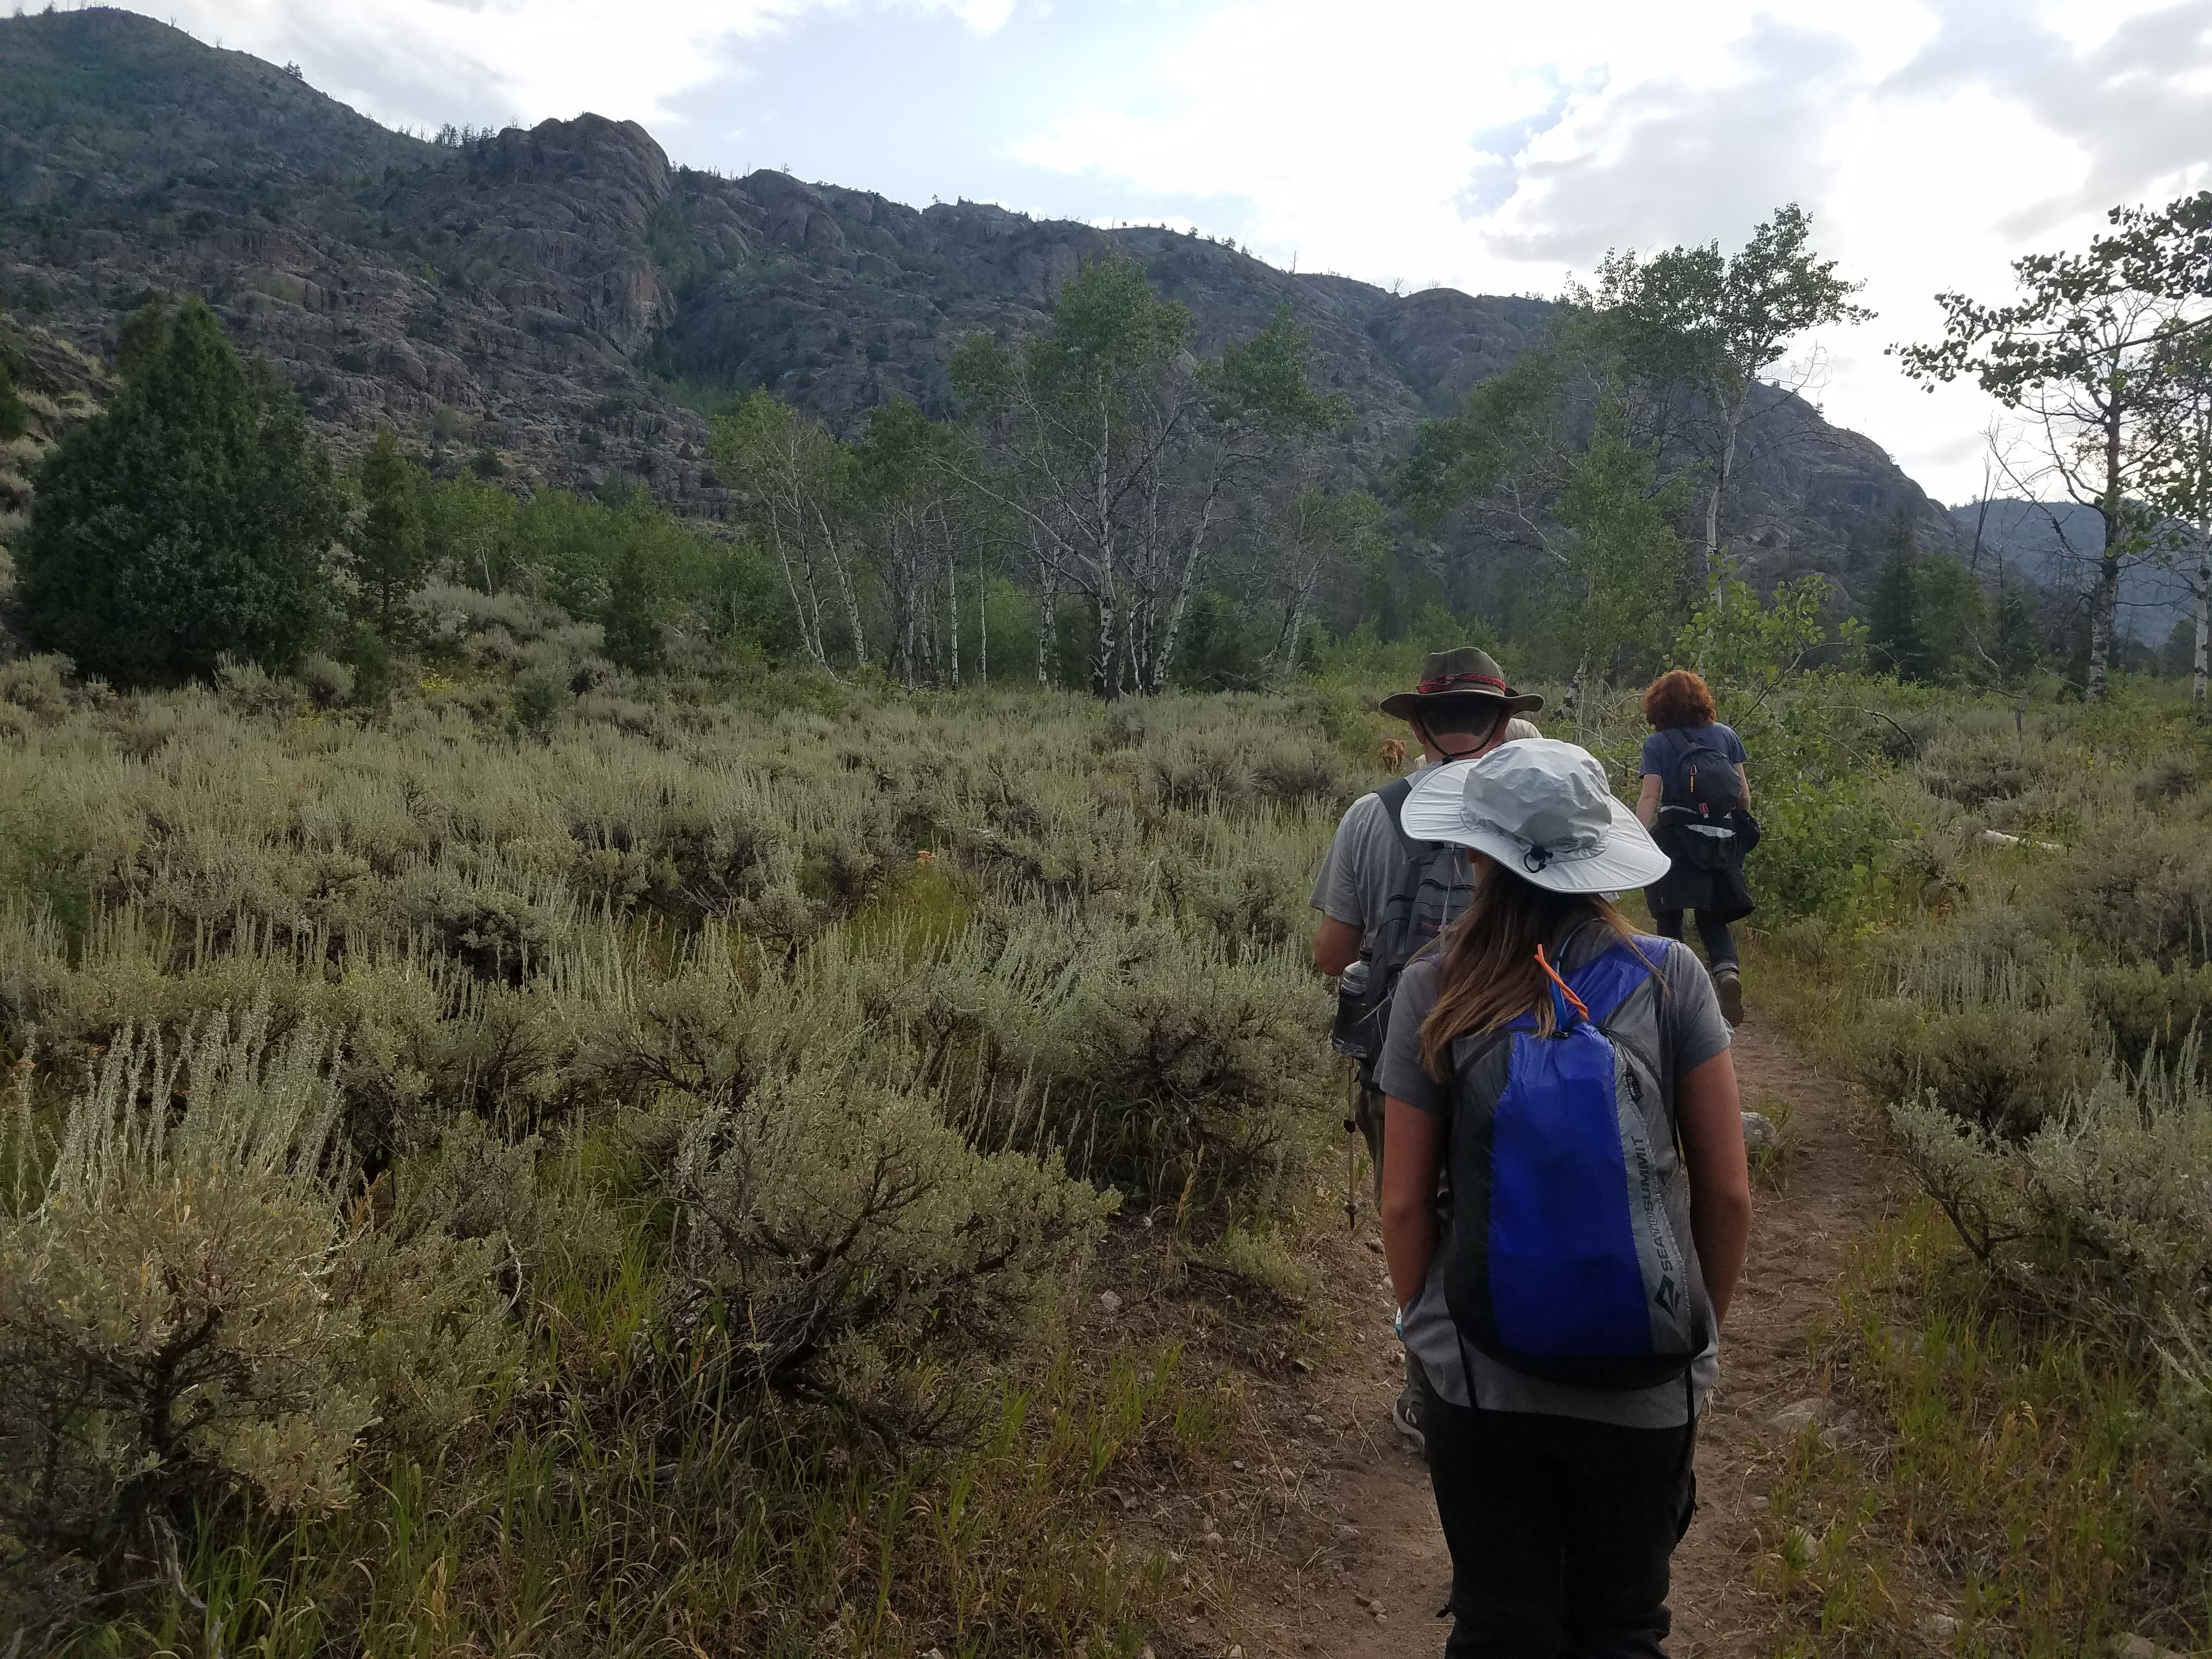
1696	801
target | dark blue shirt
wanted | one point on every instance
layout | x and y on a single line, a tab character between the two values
1661	749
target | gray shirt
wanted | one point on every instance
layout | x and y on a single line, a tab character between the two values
1694	1031
1363	866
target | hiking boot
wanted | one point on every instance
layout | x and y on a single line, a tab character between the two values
1729	984
1406	1417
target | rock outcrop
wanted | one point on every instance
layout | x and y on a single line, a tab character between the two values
560	302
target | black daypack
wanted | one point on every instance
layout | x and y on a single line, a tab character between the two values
1432	888
1700	780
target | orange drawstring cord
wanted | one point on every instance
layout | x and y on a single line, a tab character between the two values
1580	1006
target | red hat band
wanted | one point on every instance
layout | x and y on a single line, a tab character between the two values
1461	683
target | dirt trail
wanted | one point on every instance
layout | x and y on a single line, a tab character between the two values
1341	1557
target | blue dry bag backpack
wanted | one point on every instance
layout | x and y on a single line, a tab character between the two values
1570	1257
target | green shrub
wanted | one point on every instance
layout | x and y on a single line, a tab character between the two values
2151	1014
847	1242
169	1336
2101	1219
2029	1011
1824	844
2143	888
2003	1068
685	1122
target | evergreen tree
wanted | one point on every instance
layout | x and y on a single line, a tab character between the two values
631	620
2179	659
1892	618
14	417
145	332
1953	614
388	553
187	524
2016	637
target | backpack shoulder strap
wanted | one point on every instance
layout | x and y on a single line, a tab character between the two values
1678	751
1393	796
1415	856
1612	976
1607	980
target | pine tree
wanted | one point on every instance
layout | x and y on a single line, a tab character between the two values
388	554
631	621
14	417
2016	639
1952	613
1892	618
145	332
189	523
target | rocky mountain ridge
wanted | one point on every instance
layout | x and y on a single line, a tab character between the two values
560	302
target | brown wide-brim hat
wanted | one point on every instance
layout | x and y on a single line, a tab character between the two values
1449	678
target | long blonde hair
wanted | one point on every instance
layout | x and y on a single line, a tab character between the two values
1488	975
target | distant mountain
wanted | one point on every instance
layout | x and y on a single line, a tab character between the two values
565	300
2056	546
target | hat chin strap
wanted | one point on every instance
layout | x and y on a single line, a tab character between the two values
1480	743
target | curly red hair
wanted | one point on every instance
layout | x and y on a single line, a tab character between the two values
1677	697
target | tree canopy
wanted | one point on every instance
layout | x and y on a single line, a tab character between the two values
2083	354
191	522
1713	324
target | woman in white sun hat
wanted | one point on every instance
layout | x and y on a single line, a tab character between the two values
1562	1269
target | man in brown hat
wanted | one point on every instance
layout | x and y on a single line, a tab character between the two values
1382	896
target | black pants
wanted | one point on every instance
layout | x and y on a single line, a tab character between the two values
1560	1531
1719	943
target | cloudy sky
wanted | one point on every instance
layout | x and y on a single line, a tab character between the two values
1491	145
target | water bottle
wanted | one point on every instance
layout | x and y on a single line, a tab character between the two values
1350	1036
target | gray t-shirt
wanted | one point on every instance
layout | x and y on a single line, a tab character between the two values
1694	1032
1363	866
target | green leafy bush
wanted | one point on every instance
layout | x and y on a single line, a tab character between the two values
2027	1004
2101	1220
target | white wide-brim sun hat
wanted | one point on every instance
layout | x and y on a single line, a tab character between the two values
1542	808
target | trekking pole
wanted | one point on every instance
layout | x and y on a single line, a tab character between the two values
1352	1167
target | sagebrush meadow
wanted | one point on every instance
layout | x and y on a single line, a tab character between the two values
663	1155
657	989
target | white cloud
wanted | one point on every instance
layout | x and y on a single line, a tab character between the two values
1934	140
422	62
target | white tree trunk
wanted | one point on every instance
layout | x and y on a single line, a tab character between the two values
1186	581
2105	597
1106	652
1732	423
952	611
845	589
1047	620
804	601
2104	606
1286	665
